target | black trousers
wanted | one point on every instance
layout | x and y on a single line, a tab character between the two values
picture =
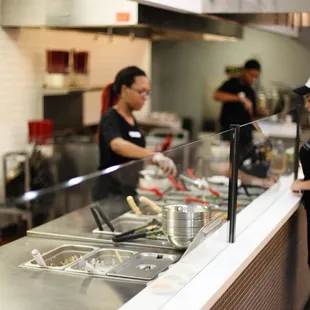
307	208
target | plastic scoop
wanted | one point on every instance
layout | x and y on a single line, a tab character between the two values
86	266
38	258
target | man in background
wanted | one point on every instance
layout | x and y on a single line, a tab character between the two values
239	102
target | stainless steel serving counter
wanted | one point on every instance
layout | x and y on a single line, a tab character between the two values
78	225
42	289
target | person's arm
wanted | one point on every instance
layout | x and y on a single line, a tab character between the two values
252	180
110	132
247	178
227	93
224	96
130	150
300	185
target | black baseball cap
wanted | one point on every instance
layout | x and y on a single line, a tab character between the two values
303	90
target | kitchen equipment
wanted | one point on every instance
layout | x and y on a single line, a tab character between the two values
151	233
95	210
190	172
125	223
38	258
61	257
200	184
150	203
154	190
133	205
144	266
197	200
221	180
176	184
154	177
86	266
101	261
203	234
181	223
151	226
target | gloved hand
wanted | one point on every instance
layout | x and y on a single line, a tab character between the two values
202	183
165	163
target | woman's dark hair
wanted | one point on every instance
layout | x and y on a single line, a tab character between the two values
126	77
252	64
111	91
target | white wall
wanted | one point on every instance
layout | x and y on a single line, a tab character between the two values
22	54
185	74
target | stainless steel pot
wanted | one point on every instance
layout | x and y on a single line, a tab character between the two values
181	223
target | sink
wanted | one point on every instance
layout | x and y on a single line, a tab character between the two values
103	260
61	257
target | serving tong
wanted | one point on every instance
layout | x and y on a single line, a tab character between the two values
97	212
153	228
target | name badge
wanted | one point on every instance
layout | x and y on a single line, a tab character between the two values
135	134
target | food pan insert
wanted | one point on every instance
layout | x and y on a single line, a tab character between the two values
62	256
144	266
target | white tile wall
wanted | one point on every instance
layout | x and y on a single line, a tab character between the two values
22	54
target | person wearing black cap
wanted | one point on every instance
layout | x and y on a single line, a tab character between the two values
303	186
120	137
239	101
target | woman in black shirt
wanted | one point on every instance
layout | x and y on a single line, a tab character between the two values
299	186
120	137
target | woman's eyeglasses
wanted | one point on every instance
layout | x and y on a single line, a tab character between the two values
142	92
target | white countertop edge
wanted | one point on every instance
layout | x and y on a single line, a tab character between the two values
210	284
212	260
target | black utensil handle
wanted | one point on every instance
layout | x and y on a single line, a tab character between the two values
246	190
130	232
106	220
96	218
129	237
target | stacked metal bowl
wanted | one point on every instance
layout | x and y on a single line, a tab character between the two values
181	223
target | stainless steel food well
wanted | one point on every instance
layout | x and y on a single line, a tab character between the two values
103	260
144	266
61	257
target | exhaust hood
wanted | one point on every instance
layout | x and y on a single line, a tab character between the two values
293	20
288	24
119	17
282	16
254	6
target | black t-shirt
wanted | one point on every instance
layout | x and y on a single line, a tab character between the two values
234	112
113	125
304	156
